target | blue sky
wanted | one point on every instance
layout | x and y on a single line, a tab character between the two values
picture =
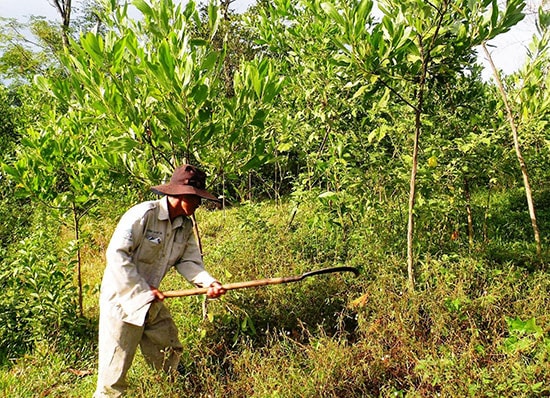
508	53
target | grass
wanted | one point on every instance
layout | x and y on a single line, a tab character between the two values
472	327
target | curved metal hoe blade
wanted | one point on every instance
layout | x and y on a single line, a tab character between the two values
331	270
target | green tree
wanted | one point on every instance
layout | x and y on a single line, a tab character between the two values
416	43
155	88
530	111
361	84
137	102
316	128
55	167
24	55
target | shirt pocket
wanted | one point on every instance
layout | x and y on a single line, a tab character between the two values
150	250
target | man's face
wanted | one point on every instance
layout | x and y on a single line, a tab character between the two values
188	203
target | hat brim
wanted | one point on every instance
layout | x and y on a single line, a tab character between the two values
174	190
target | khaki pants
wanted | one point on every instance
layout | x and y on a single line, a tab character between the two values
118	341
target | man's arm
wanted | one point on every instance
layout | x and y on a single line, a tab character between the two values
191	267
121	275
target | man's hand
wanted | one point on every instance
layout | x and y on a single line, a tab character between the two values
158	294
215	290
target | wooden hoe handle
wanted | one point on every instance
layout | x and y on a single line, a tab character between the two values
259	282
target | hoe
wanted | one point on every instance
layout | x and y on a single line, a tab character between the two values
260	282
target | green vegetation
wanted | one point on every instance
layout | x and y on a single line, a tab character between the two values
337	135
474	327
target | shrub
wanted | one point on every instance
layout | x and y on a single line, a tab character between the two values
39	298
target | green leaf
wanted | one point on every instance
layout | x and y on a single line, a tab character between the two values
364	9
210	60
516	325
121	144
118	51
272	89
259	119
328	195
166	60
199	93
144	7
198	42
333	13
494	13
360	91
41	82
213	19
11	171
253	163
544	19
93	46
190	9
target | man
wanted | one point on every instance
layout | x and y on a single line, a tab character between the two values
149	239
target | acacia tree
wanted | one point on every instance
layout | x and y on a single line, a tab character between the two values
530	110
316	127
390	65
416	43
149	92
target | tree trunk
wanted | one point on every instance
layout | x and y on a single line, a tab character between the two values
486	216
197	233
250	186
469	213
76	219
64	9
412	200
426	58
522	165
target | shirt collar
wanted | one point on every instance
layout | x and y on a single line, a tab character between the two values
163	208
164	215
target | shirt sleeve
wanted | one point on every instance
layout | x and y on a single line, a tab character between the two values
132	292
191	266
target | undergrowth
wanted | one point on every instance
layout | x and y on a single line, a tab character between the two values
473	326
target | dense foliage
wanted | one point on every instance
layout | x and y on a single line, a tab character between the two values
342	132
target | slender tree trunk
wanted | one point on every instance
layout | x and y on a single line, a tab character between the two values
486	216
522	165
64	8
199	243
197	233
469	214
418	109
412	197
78	258
414	170
250	186
223	192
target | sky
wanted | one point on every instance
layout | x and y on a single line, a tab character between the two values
508	53
20	9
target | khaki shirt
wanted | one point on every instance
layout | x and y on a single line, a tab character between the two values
144	246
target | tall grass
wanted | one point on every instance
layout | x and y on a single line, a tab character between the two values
472	327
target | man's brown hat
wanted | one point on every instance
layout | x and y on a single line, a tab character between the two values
187	179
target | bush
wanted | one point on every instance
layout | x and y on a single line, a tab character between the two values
38	303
